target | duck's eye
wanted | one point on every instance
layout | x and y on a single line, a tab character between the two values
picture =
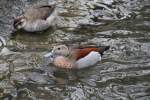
52	56
58	48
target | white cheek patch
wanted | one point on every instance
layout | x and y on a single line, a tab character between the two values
89	60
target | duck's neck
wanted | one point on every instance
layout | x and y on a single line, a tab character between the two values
69	55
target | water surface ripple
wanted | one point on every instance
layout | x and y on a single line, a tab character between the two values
123	74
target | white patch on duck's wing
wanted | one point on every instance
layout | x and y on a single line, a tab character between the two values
89	60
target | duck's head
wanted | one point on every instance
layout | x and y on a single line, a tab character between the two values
62	50
19	22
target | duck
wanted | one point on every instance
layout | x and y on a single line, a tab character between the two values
66	57
36	18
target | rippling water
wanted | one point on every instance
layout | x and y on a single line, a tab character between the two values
123	74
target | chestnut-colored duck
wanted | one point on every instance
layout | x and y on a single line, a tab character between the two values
68	58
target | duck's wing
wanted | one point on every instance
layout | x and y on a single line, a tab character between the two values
80	53
91	59
40	12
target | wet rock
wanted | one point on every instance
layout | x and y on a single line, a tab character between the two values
5	52
90	82
3	70
18	78
8	89
39	78
25	94
78	94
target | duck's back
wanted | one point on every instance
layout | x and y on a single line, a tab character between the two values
39	12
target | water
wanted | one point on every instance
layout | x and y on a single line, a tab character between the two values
123	73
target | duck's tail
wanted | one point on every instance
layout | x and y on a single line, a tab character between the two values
103	49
